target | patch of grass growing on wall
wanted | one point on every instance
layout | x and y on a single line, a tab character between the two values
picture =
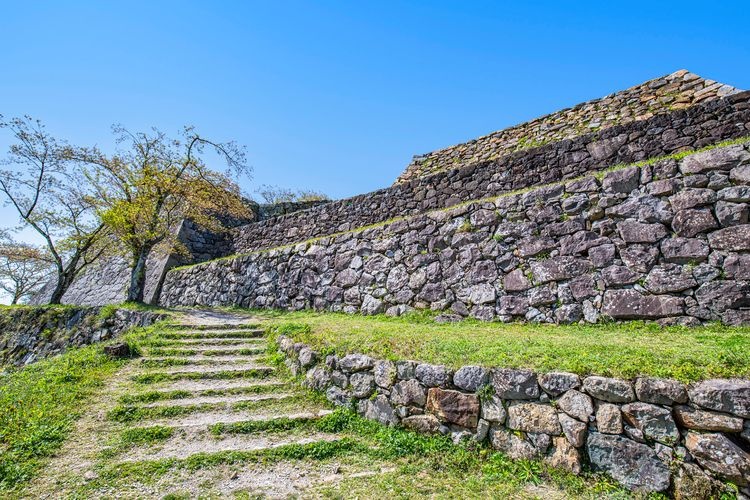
615	349
38	406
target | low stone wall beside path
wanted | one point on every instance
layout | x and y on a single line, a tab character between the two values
28	334
651	435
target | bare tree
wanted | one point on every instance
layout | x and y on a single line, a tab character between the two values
153	182
274	194
24	269
40	183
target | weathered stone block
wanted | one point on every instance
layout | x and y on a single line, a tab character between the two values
655	422
433	375
355	363
609	419
702	420
533	417
424	424
493	410
724	395
408	393
736	239
660	391
629	304
453	407
633	464
692	222
721	456
470	378
556	383
612	390
515	383
576	404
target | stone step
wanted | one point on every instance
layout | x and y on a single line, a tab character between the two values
228	399
213	342
198	385
216	368
209	351
208	334
200	360
191	442
226	416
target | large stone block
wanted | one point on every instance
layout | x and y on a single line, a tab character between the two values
453	407
533	417
721	456
635	465
724	395
630	304
515	383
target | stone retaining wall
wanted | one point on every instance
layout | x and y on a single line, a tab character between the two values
679	90
667	241
648	434
28	334
692	128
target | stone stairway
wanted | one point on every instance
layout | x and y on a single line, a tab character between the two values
201	412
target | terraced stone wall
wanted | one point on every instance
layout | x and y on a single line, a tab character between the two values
692	128
668	241
28	334
651	435
679	90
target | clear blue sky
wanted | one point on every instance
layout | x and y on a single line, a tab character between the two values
337	96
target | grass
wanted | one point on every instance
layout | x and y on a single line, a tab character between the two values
619	350
38	406
153	378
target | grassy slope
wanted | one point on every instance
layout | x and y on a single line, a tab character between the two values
620	350
40	403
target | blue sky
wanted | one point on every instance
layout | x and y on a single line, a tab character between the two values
337	96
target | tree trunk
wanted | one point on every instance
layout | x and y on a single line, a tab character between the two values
138	275
63	282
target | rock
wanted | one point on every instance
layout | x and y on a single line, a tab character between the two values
609	419
660	391
564	456
576	404
656	423
513	305
532	245
433	375
629	304
556	383
740	175
574	430
609	389
118	350
371	305
516	281
724	395
619	276
721	456
701	420
622	181
533	417
512	445
639	257
737	266
722	295
338	396
378	409
560	268
634	465
746	431
690	223
405	369
714	159
690	198
569	313
692	483
637	232
735	239
684	250
307	357
493	410
483	429
736	194
512	383
318	378
384	373
731	214
362	385
355	363
424	424
602	255
453	407
408	393
669	278
470	378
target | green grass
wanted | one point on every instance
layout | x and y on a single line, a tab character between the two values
40	403
145	435
619	350
153	378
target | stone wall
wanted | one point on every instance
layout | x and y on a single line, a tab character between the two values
679	90
648	434
667	241
28	334
664	134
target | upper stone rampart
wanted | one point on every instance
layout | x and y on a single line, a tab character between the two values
678	90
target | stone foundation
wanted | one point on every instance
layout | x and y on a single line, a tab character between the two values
648	434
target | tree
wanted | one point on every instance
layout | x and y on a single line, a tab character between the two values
273	195
153	182
24	269
44	188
